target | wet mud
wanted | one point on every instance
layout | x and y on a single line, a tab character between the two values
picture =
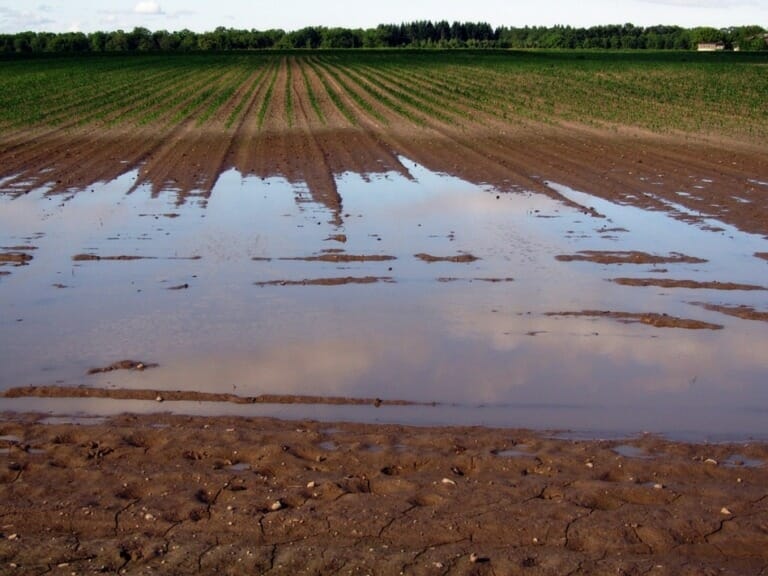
333	257
15	258
691	284
649	318
126	258
123	365
629	257
459	258
335	281
184	395
744	312
177	495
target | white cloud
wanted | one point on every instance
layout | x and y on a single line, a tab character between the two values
148	7
15	20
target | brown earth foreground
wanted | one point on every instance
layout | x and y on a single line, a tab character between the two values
169	495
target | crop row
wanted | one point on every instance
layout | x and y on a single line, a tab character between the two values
437	89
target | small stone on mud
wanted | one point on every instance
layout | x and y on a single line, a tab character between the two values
658	486
311	485
724	511
158	398
710	461
277	505
448	481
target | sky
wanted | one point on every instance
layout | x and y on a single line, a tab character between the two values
202	15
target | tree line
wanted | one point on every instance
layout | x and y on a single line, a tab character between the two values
420	34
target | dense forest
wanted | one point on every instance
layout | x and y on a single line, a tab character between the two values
422	34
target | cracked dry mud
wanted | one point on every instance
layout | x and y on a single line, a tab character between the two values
170	495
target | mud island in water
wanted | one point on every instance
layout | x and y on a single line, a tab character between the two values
331	313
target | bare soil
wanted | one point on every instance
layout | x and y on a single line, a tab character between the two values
178	495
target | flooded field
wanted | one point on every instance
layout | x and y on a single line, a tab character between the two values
446	301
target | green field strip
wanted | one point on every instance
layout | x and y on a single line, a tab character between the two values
310	92
119	86
477	94
423	100
336	72
198	102
163	110
143	108
332	94
130	86
248	98
50	94
117	110
268	95
120	103
435	81
664	96
683	91
143	104
225	95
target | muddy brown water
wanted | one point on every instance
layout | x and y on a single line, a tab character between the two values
284	295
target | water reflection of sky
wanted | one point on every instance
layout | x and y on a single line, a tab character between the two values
487	349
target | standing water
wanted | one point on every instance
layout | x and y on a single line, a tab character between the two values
496	308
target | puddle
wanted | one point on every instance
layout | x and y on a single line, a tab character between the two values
739	461
520	451
239	467
281	299
10	438
328	446
629	451
74	420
